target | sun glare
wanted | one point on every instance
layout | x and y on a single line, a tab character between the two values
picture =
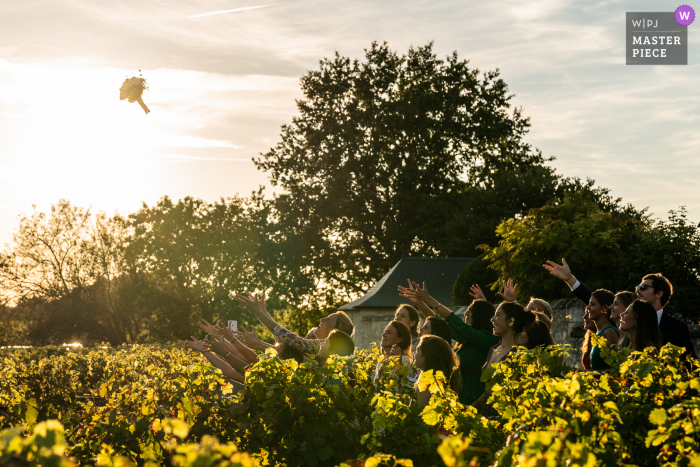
68	135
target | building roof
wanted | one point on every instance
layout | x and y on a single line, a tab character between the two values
439	275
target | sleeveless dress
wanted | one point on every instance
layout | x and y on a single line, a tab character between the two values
597	360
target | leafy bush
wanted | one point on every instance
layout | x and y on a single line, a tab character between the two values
160	406
476	272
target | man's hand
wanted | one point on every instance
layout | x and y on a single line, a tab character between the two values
561	271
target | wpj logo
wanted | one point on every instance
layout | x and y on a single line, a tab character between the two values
658	38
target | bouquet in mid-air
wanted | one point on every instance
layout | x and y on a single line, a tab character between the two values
132	89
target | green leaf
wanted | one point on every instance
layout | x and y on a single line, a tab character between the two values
658	416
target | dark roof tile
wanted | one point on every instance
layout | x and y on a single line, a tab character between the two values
439	275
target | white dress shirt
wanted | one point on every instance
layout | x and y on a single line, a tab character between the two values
659	313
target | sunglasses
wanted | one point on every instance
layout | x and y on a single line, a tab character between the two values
642	287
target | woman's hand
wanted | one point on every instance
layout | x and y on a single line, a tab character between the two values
197	345
246	337
395	351
417	293
476	293
412	298
217	346
216	330
508	291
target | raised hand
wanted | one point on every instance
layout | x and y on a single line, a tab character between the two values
312	333
476	293
197	345
561	271
395	351
411	298
218	346
416	293
508	290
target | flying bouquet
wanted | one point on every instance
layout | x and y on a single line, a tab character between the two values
132	89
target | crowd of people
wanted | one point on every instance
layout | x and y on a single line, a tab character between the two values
426	335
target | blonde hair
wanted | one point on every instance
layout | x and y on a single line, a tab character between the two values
544	307
344	324
540	316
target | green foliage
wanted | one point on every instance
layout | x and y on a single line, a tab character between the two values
611	249
151	406
594	242
395	154
476	272
672	248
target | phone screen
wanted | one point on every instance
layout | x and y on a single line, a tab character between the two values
233	325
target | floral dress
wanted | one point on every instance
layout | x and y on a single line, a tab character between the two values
307	346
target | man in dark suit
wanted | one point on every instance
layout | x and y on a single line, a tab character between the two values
657	290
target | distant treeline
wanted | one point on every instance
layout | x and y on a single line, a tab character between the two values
391	155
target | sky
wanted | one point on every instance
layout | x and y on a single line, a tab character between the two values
224	76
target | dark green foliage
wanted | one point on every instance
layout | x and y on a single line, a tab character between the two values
672	248
478	271
393	155
605	249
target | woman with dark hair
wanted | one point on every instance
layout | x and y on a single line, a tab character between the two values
509	320
408	315
535	335
434	353
396	342
436	327
641	324
619	305
473	335
598	310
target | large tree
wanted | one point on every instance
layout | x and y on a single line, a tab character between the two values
394	155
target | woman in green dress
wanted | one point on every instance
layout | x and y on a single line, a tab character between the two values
474	336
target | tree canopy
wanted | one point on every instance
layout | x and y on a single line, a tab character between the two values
394	155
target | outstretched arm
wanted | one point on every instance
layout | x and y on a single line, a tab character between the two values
422	295
257	307
219	347
561	271
225	368
424	309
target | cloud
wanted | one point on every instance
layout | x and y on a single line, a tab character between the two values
230	11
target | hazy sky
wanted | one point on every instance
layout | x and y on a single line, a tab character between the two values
223	83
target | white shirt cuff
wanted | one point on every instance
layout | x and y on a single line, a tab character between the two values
575	286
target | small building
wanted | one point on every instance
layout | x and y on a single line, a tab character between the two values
371	312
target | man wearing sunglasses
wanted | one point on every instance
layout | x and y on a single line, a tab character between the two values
657	290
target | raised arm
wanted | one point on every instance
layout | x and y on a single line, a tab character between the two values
257	307
215	361
219	347
233	344
424	309
250	339
422	295
563	272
